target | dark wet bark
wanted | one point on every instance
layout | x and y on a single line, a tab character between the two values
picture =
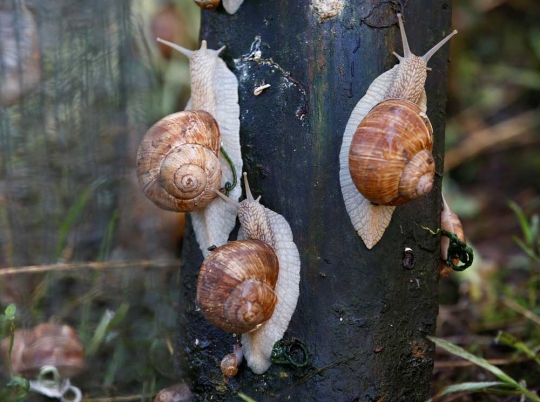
362	315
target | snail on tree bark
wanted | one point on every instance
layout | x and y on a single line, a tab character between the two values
385	158
214	90
257	301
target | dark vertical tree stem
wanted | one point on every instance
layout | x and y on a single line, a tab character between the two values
362	315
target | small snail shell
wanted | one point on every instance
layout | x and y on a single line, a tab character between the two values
260	223
177	162
207	4
46	344
229	363
19	53
235	289
404	81
390	158
231	6
174	393
214	89
451	223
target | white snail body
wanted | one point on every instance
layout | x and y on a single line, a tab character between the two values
214	89
232	6
260	223
405	82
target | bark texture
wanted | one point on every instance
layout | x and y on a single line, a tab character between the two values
362	315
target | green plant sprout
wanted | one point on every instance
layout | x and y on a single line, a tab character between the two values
506	384
20	384
530	244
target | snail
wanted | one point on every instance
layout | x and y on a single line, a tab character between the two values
451	224
267	235
231	6
379	139
20	65
175	393
177	162
214	89
207	4
45	345
229	364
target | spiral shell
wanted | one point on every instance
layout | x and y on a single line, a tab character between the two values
390	158
46	344
177	163
235	289
230	362
174	393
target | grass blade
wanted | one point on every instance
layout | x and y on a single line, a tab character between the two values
467	387
522	219
245	397
456	350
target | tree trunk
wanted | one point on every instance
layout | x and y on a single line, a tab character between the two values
362	315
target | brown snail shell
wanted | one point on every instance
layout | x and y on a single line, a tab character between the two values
177	162
230	362
207	4
45	345
174	393
390	158
235	289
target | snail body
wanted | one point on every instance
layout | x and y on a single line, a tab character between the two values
177	162
375	149
232	6
214	89
45	345
261	225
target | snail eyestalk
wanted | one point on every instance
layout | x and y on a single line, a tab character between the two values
460	250
229	186
283	353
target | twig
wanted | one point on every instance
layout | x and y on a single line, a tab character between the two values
488	137
521	310
90	265
120	398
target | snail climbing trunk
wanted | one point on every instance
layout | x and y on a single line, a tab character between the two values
362	317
